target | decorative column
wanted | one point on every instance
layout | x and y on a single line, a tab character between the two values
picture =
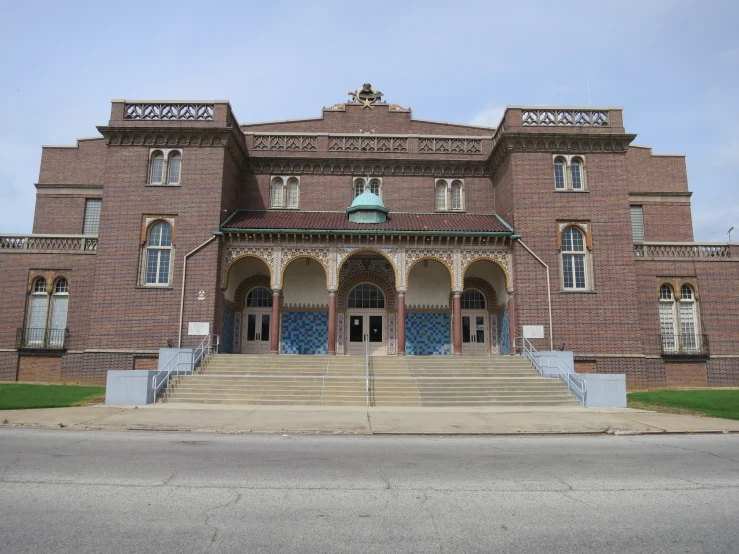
401	323
274	332
457	315
331	323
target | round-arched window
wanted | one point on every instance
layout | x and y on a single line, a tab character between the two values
259	298
473	300
366	295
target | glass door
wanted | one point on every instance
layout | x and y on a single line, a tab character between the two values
370	327
474	335
256	332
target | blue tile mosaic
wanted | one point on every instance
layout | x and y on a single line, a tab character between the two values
228	331
504	332
304	332
427	334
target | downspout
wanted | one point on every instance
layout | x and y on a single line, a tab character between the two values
184	278
549	290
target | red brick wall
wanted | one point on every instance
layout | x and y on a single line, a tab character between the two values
667	221
59	214
8	366
685	374
81	165
42	369
649	173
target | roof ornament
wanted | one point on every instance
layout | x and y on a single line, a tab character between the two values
367	95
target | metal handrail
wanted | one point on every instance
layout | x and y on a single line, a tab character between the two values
366	369
193	358
576	384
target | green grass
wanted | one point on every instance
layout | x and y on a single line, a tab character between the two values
715	403
19	396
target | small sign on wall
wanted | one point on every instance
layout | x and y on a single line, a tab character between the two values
200	328
533	331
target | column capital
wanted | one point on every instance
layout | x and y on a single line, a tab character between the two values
401	292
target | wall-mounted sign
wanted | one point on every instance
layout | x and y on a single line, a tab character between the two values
200	328
201	295
533	331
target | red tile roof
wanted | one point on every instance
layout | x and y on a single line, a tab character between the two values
339	221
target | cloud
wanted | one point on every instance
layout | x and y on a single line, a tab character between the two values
489	117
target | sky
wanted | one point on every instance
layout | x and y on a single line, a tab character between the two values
672	65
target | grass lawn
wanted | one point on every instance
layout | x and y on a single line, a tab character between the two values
18	396
715	403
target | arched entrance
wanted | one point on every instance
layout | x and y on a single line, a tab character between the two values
366	320
475	326
257	321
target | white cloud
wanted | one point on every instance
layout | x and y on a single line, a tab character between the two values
489	117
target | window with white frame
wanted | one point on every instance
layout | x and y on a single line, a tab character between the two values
91	222
678	320
574	259
285	192
371	184
569	173
637	223
449	195
158	254
165	167
46	319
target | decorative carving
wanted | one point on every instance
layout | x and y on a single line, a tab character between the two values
289	254
500	257
340	333
49	243
494	346
564	118
431	145
169	112
245	286
335	108
285	142
235	252
367	144
237	332
399	108
392	346
413	256
390	254
305	306
367	95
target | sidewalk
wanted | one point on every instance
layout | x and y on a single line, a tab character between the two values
351	420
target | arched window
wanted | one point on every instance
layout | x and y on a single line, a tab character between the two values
292	192
158	254
366	295
277	192
157	168
46	322
473	300
441	186
667	319
359	185
573	259
559	174
678	321
374	187
456	195
259	298
577	178
175	167
38	307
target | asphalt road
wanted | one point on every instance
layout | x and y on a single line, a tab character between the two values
95	492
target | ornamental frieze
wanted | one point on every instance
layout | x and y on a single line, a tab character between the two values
435	168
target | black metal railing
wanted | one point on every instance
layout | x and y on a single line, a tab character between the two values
684	344
41	338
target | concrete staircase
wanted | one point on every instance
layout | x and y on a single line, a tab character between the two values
394	381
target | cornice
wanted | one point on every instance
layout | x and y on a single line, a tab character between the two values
375	167
204	137
557	143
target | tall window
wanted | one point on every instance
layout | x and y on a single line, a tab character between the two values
569	173
175	166
559	174
637	223
373	185
46	321
366	295
292	193
449	195
277	192
573	259
158	254
91	223
157	169
678	321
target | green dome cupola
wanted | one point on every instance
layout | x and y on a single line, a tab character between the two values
367	208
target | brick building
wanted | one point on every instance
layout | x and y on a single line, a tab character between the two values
310	236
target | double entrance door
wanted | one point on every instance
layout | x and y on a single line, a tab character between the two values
370	324
256	331
475	333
